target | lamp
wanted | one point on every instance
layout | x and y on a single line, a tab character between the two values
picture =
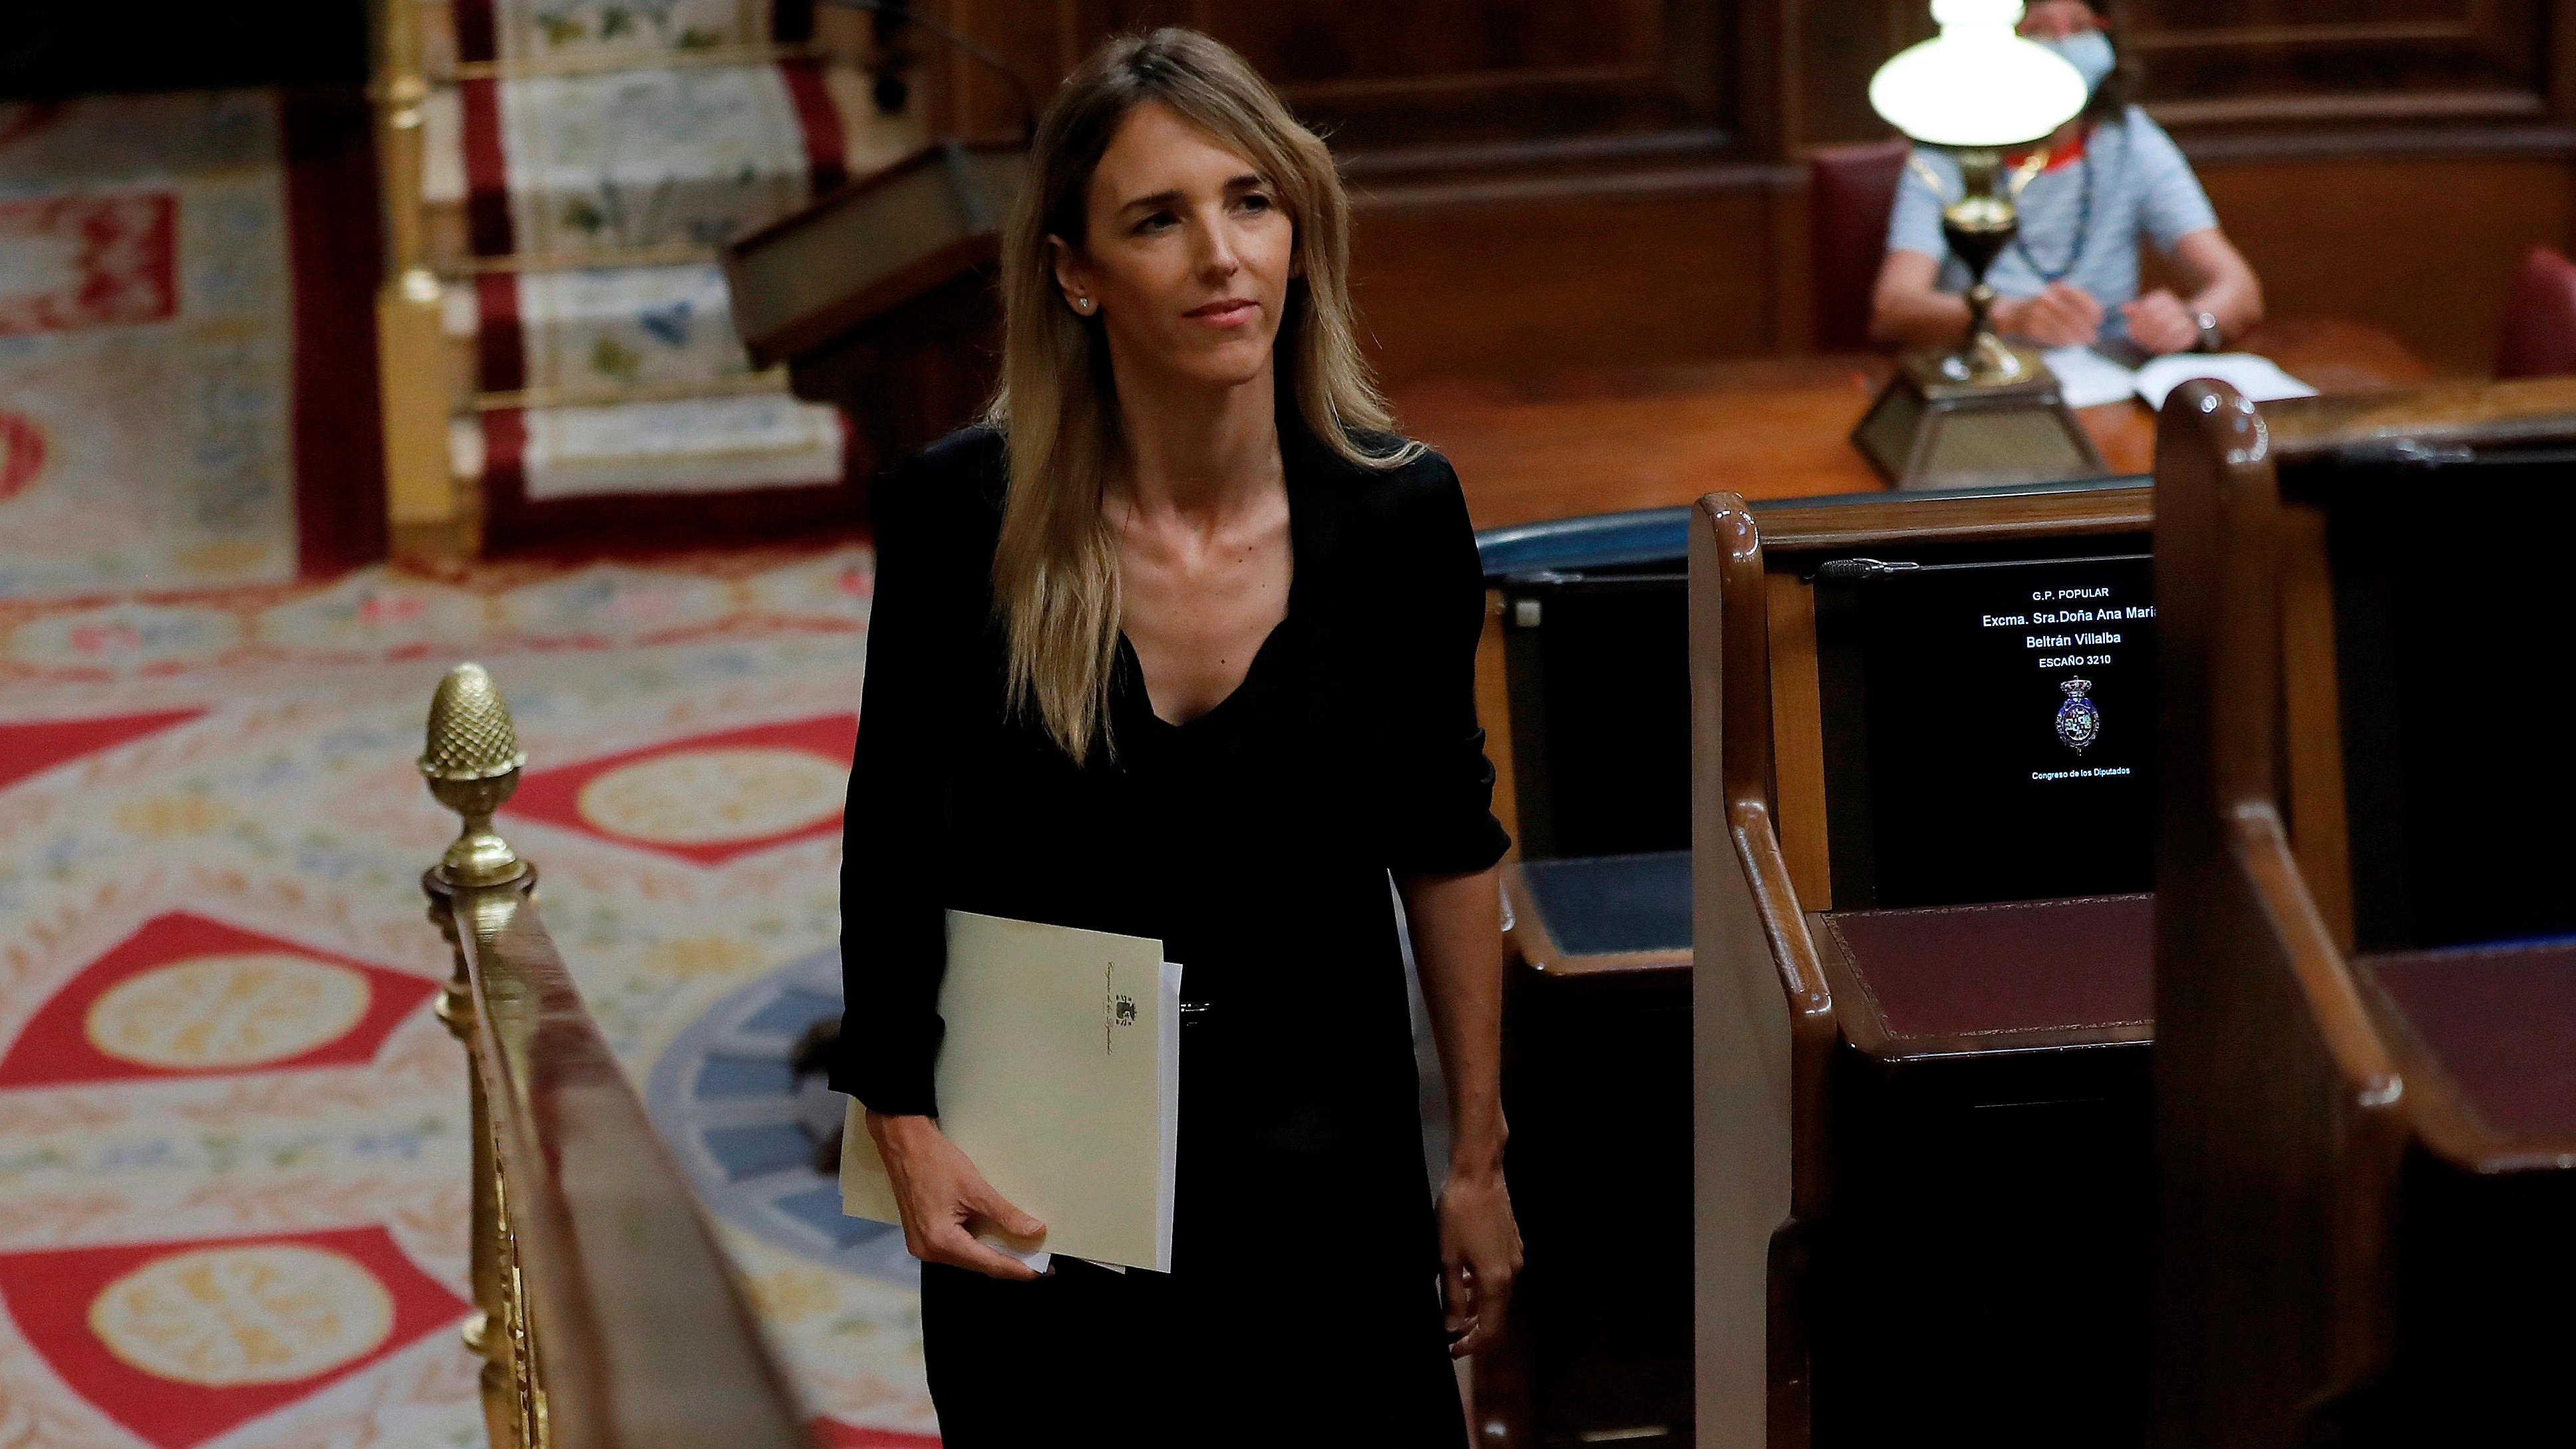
1989	411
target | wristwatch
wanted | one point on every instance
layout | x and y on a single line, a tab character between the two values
2210	340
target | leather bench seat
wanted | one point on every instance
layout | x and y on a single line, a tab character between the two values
1994	977
1982	1267
2498	1021
1597	1072
1611	905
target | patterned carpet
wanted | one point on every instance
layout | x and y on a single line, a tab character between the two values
146	344
187	341
233	1146
233	1162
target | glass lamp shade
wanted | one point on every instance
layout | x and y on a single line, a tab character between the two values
1977	84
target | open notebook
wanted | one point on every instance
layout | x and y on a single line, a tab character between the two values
1060	1078
2085	378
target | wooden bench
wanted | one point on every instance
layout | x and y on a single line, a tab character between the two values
2366	1085
1922	1083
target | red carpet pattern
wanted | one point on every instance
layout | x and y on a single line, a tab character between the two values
233	1163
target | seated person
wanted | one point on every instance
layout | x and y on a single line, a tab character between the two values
2071	276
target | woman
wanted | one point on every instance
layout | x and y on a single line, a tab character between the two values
2071	277
1180	644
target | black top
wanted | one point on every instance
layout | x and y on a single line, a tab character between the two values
1356	754
1205	791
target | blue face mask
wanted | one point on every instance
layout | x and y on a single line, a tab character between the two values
2089	51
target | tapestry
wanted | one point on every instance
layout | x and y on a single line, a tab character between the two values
147	345
234	1167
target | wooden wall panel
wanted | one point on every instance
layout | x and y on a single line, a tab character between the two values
1504	288
1422	74
1546	185
1767	77
2231	63
1039	40
1840	44
1432	73
2236	61
2424	246
1529	286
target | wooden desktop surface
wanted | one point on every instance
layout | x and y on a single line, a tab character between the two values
1609	439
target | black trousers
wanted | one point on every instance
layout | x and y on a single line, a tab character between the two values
1256	1353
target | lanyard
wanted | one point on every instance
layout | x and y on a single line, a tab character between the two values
2083	228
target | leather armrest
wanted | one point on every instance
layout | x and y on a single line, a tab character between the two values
2497	1021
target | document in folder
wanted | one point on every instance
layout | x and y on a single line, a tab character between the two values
1060	1078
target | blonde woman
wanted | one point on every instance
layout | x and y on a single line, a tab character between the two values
1180	644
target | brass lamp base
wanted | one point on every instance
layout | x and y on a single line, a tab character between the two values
1989	414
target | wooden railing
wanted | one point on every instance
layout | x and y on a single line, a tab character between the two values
607	1316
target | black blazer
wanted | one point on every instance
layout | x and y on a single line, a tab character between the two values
958	802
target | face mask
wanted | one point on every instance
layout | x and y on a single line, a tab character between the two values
2089	51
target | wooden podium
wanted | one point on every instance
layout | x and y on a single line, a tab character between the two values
880	297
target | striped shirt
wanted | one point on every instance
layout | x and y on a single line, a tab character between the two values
2139	183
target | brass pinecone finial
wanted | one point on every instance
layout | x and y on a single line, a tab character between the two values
472	763
470	734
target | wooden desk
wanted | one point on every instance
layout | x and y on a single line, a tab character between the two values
1618	438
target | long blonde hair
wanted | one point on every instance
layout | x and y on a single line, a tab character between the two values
1055	573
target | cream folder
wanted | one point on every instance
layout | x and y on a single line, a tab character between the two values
1060	1077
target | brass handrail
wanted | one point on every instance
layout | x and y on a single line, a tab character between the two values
608	1316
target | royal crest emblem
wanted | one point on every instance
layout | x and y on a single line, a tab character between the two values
2079	722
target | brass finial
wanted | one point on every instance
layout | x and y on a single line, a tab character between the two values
472	763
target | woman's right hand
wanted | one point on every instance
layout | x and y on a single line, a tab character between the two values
945	1201
2063	316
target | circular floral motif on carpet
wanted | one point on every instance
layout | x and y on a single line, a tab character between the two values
715	797
219	1317
240	1010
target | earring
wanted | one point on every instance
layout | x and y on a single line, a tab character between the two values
1082	305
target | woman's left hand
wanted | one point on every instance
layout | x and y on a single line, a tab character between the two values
1480	1254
